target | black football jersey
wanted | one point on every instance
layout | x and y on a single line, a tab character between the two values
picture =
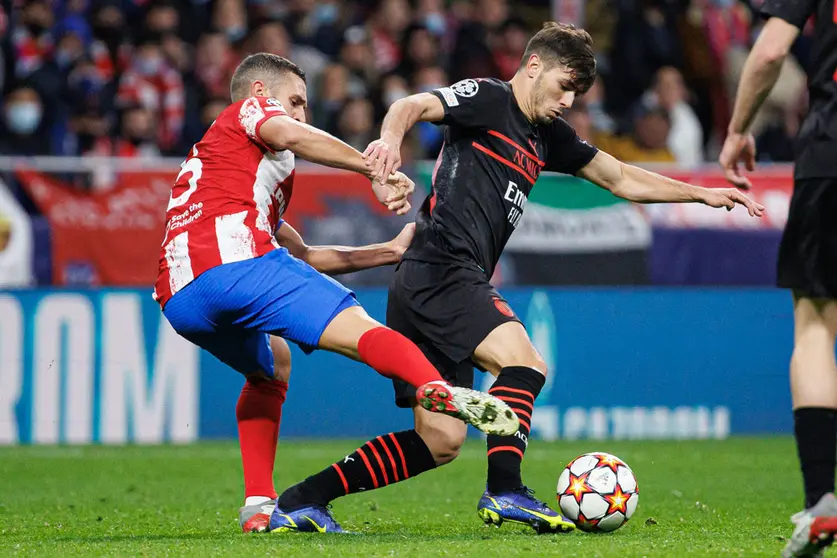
490	160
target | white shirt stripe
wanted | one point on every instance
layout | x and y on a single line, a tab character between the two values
179	262
235	239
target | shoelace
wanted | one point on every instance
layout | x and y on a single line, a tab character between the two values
530	493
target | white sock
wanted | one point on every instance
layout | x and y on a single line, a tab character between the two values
256	500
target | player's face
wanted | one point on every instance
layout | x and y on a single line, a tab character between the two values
293	95
551	94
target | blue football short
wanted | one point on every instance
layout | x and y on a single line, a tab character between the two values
229	310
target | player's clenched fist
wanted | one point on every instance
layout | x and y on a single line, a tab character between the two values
395	192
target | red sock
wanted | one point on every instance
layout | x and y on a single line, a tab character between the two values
394	356
259	412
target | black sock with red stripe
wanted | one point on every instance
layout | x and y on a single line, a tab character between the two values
379	462
518	386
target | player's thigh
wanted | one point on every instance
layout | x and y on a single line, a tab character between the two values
508	345
248	352
815	318
287	298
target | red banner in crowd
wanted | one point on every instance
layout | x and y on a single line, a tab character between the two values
112	237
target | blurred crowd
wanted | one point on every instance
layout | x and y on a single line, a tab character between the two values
147	77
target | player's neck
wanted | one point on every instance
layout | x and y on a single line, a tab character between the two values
521	96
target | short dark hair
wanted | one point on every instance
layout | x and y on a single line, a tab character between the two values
263	66
568	45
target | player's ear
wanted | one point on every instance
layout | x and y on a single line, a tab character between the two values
533	65
258	89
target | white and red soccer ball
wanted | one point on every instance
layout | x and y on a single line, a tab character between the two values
598	492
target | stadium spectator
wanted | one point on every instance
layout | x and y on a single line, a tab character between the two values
509	46
32	38
334	92
420	50
355	123
24	130
88	60
472	55
685	140
136	138
386	27
594	101
151	81
648	142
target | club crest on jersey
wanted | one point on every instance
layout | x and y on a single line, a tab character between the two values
465	88
275	103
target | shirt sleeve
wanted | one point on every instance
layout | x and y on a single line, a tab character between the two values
472	103
795	12
566	152
254	112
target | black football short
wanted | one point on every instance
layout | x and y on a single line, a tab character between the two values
808	252
446	310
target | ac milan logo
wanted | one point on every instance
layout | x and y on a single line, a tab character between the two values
465	88
503	307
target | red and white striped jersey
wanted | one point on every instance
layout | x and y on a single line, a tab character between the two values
228	199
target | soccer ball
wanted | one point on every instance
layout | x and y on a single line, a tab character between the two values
598	492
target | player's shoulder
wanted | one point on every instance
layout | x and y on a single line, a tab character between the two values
558	127
469	89
249	112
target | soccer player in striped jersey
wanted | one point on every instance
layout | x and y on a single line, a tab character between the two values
227	285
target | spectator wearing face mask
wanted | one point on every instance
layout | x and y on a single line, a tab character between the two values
23	122
152	83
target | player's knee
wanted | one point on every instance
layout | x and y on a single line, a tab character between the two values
444	441
539	364
281	359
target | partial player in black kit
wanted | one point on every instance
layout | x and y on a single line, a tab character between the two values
808	253
500	136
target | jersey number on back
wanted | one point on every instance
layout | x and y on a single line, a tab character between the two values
194	166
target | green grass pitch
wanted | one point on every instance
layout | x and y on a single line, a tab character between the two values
701	498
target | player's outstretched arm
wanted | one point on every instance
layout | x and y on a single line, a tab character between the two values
761	70
319	147
639	185
334	260
312	144
383	156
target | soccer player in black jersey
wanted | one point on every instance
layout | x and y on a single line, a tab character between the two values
808	253
500	137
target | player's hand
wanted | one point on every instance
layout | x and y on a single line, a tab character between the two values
383	157
738	148
400	243
395	192
729	197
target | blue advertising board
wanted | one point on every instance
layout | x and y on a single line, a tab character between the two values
105	367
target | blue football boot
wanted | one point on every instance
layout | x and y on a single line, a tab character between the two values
521	506
311	519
